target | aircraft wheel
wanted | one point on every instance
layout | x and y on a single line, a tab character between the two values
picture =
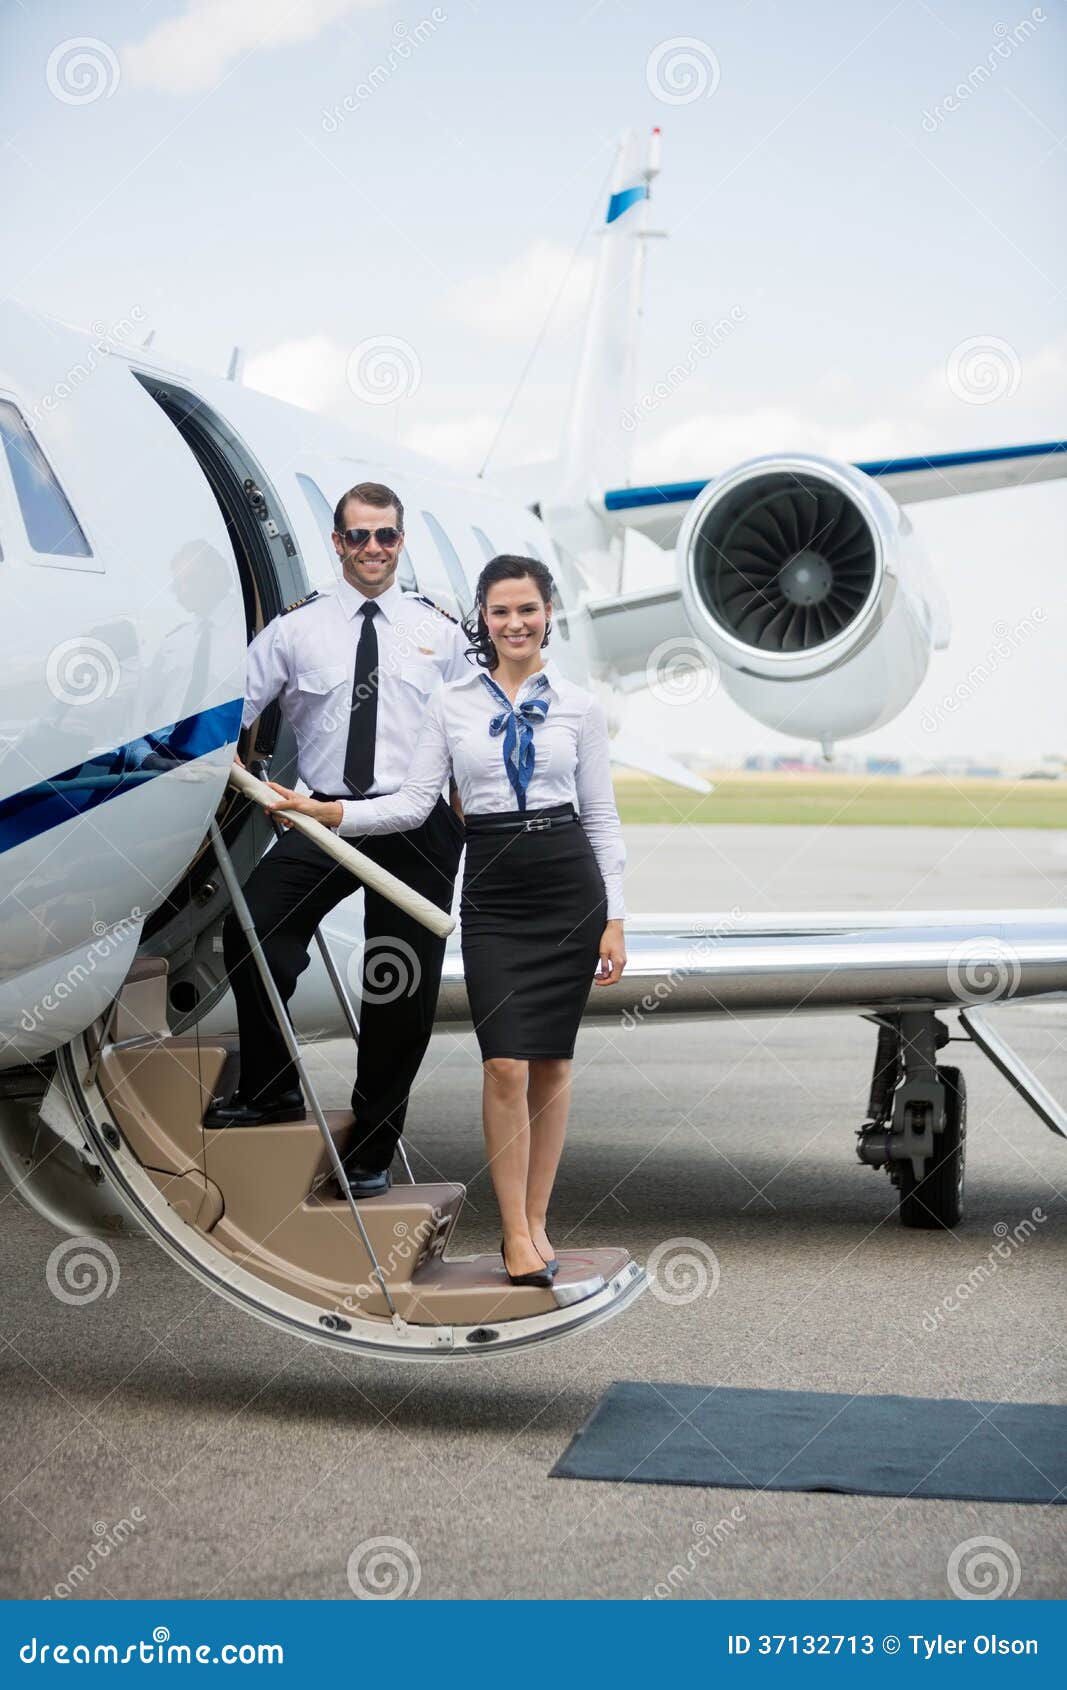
936	1200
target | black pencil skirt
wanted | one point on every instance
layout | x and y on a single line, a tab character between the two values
532	914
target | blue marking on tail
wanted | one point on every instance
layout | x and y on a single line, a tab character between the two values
623	200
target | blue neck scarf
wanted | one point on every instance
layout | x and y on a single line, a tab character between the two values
516	723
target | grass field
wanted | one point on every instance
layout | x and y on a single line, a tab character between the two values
846	800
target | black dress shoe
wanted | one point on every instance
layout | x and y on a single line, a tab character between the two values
287	1106
540	1276
367	1182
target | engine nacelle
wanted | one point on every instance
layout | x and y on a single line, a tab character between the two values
805	581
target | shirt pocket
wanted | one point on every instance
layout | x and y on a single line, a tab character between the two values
421	674
319	681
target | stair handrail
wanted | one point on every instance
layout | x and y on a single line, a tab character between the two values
285	1027
398	892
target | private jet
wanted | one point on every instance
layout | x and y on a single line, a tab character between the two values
152	519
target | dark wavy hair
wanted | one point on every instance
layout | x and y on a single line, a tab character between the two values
502	568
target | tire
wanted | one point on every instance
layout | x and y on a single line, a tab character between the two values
935	1202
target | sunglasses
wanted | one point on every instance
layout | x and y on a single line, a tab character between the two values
358	537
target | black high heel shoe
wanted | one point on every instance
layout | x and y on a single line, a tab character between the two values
552	1266
540	1276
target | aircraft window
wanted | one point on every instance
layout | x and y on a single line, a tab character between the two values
450	559
51	525
320	510
486	544
561	610
405	571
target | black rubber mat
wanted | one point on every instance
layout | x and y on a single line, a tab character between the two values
809	1440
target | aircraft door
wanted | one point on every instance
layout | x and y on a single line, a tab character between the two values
121	695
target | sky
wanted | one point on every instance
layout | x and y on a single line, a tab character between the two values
873	191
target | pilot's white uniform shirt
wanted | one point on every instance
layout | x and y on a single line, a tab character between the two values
572	764
306	658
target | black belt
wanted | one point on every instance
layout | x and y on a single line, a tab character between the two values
335	797
522	821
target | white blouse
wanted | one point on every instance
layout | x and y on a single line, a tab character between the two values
572	764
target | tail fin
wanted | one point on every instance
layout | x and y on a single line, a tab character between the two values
597	443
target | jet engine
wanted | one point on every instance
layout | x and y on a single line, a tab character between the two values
804	580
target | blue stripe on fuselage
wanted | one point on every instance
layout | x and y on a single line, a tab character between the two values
108	774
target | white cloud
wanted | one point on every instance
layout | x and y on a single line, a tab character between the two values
452	425
712	440
932	418
1027	385
194	50
510	302
460	440
308	372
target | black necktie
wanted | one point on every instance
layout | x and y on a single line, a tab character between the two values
359	753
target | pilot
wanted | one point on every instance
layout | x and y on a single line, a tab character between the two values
353	670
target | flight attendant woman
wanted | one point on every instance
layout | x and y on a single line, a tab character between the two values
542	907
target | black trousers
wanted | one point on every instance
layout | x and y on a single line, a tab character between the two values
291	890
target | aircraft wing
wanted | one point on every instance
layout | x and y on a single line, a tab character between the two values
729	963
630	751
658	510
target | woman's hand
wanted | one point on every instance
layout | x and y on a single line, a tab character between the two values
327	811
612	955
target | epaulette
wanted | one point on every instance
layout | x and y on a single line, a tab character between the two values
424	600
297	603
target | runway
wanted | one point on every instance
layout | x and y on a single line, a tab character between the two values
246	1465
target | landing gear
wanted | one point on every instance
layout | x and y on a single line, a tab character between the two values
936	1199
917	1120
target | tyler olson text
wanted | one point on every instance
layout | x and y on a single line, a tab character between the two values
928	1647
